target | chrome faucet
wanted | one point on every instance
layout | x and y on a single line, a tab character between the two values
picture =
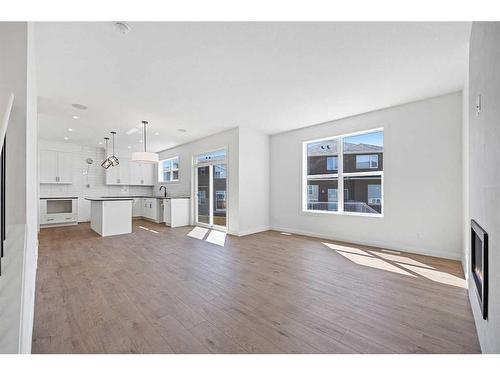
164	191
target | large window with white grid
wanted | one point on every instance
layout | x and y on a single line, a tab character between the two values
350	163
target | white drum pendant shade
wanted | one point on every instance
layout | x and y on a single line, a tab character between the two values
144	156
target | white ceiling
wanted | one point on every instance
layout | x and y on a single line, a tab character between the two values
208	77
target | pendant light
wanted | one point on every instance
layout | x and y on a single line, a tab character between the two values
145	157
113	159
106	163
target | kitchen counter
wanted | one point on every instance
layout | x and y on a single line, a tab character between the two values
100	199
59	198
148	196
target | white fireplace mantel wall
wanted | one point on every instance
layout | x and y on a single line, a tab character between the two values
484	177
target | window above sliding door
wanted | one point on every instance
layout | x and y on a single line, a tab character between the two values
349	163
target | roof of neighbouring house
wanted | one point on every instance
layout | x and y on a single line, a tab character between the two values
325	148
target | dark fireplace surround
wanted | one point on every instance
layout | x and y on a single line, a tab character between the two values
479	265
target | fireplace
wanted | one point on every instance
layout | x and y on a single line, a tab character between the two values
479	265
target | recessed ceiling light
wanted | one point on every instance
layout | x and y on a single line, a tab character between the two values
123	27
129	146
70	130
79	106
157	133
66	138
75	117
131	131
100	143
182	130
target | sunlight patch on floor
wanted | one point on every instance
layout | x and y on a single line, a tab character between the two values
349	249
149	230
373	262
437	276
401	259
392	262
216	237
198	233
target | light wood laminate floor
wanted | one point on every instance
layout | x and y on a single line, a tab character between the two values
164	292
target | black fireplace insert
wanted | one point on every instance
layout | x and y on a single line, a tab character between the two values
479	265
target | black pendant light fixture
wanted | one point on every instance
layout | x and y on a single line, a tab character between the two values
113	159
106	163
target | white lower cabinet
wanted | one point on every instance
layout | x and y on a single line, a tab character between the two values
137	207
148	208
176	212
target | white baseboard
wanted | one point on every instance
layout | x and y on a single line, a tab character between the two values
253	231
407	249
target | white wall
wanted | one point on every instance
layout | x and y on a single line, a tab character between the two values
484	170
17	283
422	180
96	177
254	194
228	139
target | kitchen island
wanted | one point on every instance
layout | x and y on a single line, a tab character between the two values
111	216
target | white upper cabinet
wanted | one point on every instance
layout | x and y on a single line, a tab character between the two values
112	175
130	173
135	173
124	171
56	167
48	166
65	163
147	174
120	174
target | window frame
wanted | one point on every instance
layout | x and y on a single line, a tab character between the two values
340	176
172	169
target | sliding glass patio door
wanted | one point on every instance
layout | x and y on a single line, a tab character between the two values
211	190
